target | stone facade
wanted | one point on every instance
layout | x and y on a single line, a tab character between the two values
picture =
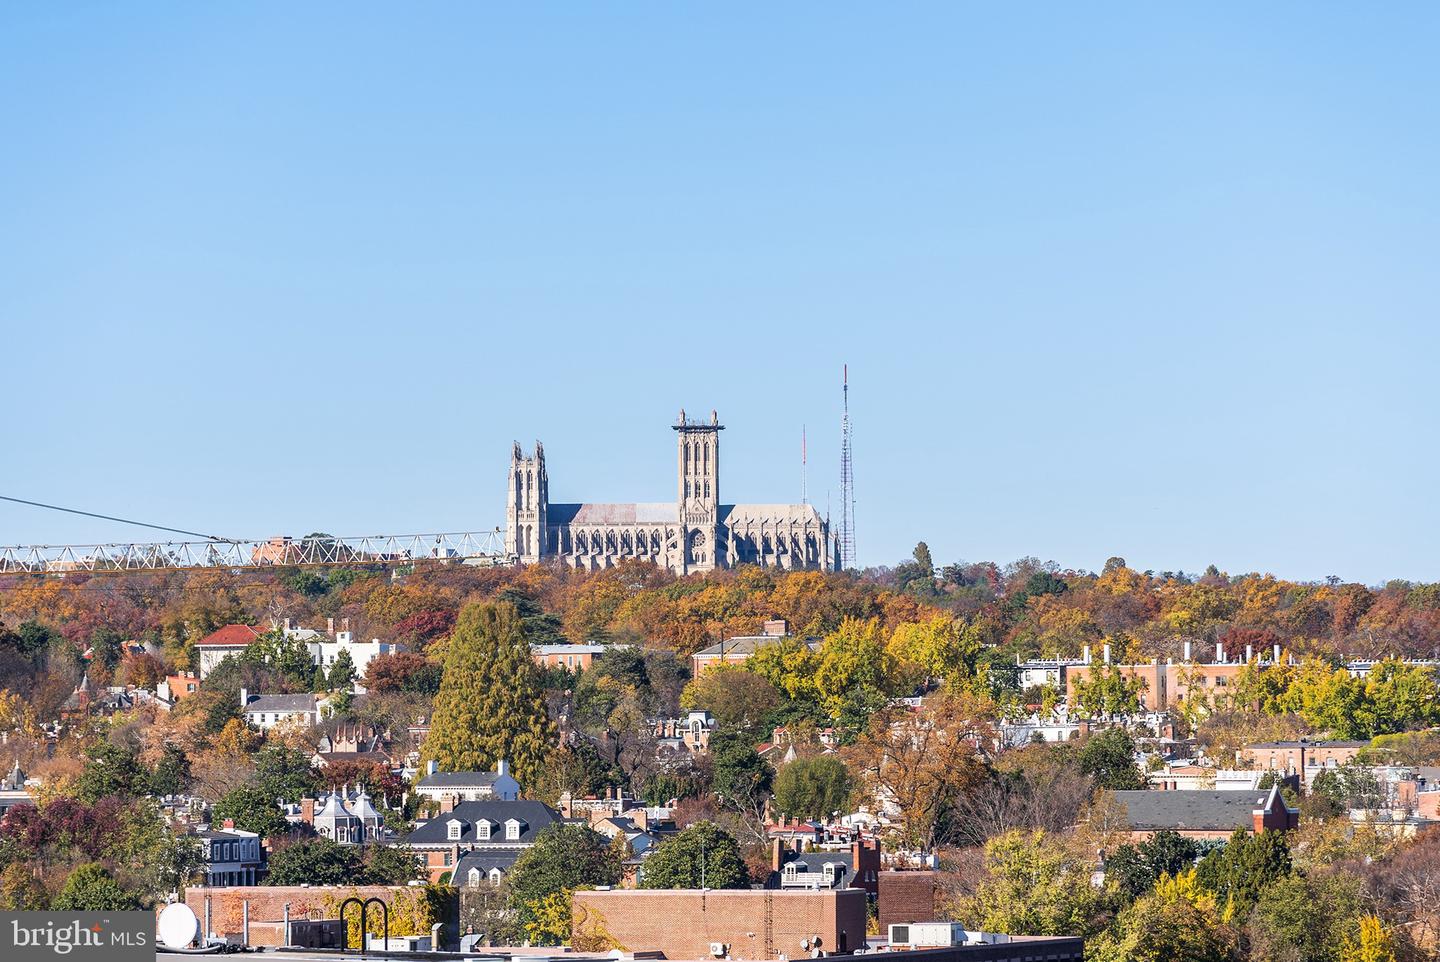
695	533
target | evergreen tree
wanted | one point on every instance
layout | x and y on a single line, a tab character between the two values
342	671
491	704
702	856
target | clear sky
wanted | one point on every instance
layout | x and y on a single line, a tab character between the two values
1157	280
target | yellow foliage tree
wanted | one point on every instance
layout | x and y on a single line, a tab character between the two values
1371	943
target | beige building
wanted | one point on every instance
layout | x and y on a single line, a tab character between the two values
694	533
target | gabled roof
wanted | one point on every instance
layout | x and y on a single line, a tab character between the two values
231	636
654	513
484	859
1194	810
534	816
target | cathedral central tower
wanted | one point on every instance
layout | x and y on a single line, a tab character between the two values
698	494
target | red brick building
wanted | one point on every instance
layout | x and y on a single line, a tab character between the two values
751	923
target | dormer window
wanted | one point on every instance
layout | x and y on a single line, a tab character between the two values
495	876
482	830
474	877
512	829
454	828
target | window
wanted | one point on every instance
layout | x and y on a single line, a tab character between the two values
482	830
447	858
512	830
473	878
495	875
455	827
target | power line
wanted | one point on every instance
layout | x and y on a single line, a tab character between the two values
106	517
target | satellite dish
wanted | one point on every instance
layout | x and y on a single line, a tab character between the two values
177	926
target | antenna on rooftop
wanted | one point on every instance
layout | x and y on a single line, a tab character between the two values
847	477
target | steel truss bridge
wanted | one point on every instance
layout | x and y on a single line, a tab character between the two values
469	547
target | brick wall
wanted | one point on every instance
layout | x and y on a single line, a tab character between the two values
267	905
756	923
907	897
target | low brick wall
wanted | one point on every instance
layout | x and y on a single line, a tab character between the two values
755	923
267	905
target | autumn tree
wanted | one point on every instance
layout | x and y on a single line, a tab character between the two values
922	760
563	858
736	697
490	706
1034	883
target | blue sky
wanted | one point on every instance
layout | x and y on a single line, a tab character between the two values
1155	280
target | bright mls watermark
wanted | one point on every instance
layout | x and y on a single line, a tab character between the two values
122	936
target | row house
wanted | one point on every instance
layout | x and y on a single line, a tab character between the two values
1205	814
690	734
231	856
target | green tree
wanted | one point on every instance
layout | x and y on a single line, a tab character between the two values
702	856
1241	870
285	773
1136	868
563	858
1037	884
737	698
391	865
253	809
1105	692
1176	922
91	888
491	705
314	861
342	671
172	775
1305	918
812	787
109	771
1109	758
740	777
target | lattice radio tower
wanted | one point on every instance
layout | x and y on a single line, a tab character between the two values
847	478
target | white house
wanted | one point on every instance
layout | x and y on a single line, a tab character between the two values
498	785
267	711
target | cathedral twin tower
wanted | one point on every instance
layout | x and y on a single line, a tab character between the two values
695	533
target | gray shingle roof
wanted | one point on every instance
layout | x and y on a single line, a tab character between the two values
535	816
281	703
1188	809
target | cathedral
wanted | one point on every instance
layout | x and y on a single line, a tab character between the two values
694	533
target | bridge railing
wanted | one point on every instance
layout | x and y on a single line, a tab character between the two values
473	547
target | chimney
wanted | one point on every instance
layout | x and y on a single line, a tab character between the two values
1085	654
244	698
502	767
777	854
447	804
228	824
1276	655
1187	653
1107	654
307	811
345	623
1219	653
1249	653
432	767
641	818
776	628
287	624
330	626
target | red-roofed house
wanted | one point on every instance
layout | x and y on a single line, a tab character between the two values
221	644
